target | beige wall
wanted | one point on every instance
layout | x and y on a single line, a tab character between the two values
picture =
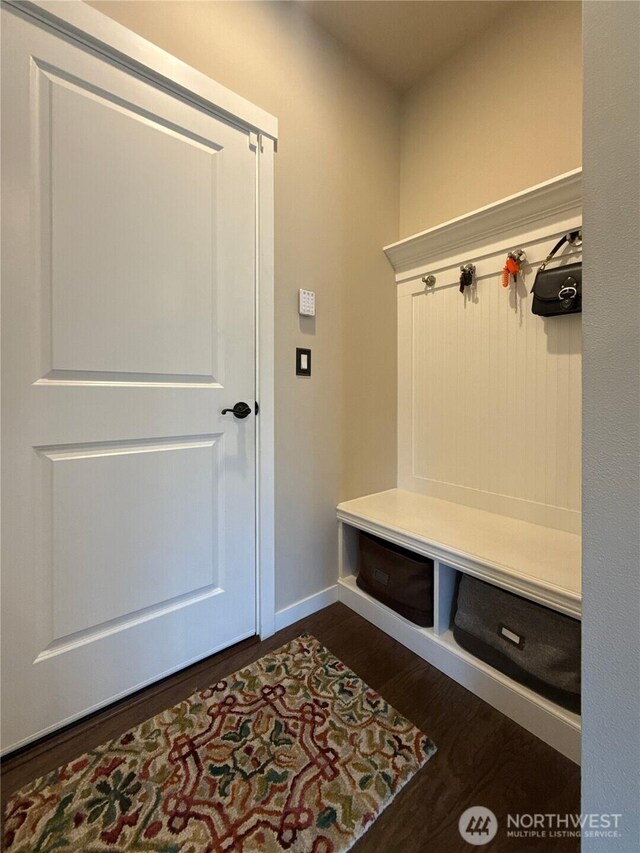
336	206
354	161
500	115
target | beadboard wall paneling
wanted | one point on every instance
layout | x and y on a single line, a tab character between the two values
489	394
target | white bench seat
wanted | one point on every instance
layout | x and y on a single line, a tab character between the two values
539	563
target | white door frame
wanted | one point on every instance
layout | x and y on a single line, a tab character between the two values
82	24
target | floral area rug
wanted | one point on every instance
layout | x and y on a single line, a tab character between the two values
295	752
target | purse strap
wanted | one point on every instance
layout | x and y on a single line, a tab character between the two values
570	237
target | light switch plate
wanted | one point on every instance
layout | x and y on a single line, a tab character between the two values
303	362
307	303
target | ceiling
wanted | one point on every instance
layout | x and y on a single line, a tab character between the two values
401	40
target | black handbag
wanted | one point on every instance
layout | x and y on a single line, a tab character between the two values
558	291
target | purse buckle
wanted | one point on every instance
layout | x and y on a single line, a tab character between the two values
567	291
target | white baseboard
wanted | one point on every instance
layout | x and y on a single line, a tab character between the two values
306	606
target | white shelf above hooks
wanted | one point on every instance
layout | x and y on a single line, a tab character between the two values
490	229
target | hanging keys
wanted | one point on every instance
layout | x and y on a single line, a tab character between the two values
510	271
467	273
512	267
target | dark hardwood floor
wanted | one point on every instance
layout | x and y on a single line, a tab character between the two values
483	757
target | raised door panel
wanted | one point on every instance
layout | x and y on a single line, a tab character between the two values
133	527
133	206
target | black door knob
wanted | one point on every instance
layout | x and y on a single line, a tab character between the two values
240	410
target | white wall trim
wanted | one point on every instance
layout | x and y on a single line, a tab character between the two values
549	202
265	391
100	33
306	606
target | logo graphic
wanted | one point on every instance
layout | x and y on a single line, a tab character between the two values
478	825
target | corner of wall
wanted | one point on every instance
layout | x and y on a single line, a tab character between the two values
611	423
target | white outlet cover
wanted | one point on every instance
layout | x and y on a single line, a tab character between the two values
307	303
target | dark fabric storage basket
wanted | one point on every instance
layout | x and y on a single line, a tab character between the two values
397	577
530	643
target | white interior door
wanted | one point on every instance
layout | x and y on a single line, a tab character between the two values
127	326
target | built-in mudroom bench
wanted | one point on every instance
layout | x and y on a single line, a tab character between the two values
489	460
534	562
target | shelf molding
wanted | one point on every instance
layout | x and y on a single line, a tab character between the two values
556	201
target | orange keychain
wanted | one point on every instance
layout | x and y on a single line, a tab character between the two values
511	268
513	265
